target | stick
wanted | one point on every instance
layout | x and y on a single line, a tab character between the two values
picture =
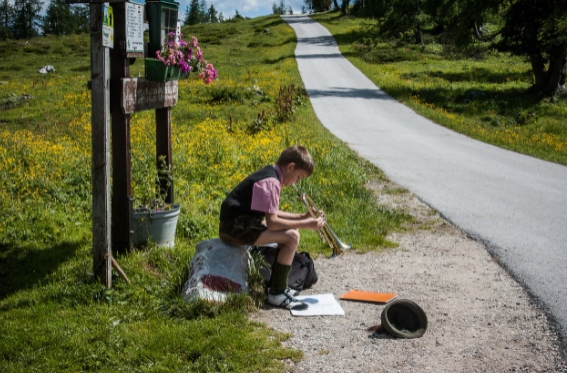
120	271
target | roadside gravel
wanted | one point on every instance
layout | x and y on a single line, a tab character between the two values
480	319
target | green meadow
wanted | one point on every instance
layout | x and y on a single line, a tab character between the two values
56	318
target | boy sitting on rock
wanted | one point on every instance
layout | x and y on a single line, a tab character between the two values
257	197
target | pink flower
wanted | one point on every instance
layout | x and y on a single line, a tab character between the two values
184	67
208	74
188	56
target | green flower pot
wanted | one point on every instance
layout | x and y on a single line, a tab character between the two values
175	73
156	71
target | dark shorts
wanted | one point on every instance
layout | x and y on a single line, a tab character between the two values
243	230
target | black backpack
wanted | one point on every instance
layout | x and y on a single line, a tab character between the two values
303	274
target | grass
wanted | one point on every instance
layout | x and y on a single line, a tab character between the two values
477	91
54	316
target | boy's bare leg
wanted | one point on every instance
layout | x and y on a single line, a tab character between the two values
287	240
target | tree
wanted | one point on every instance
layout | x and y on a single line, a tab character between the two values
186	18
203	18
344	6
62	19
58	18
199	12
404	16
81	14
27	21
212	14
192	13
537	30
371	8
317	5
279	9
237	15
463	21
6	19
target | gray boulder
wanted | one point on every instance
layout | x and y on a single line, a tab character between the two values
216	270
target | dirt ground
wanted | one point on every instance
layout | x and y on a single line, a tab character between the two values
479	318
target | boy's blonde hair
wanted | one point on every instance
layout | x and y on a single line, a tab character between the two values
298	155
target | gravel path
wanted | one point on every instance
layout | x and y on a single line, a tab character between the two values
480	319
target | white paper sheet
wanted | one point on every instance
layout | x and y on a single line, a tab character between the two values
320	304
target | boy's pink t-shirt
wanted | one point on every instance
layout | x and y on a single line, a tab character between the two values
266	194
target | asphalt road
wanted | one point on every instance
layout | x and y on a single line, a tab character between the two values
514	204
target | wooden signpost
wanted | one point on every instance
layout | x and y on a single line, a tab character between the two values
100	132
115	96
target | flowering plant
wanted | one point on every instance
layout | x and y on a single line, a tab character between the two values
188	56
153	195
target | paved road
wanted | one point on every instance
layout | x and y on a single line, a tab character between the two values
514	204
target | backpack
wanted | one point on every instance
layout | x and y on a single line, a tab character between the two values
302	275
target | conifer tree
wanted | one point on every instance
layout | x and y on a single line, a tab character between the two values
27	20
212	14
192	14
6	19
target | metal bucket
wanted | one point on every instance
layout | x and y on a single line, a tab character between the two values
156	226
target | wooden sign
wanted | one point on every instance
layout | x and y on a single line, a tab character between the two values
139	94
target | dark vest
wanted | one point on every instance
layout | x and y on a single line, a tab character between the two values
238	201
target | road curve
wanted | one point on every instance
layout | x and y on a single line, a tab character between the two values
514	204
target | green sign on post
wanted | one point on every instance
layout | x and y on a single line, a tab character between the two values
108	26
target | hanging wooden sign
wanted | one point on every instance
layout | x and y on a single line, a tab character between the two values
141	94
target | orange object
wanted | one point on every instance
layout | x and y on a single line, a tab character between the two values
367	296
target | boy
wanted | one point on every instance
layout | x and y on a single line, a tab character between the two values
258	197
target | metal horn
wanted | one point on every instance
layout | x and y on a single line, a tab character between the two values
325	232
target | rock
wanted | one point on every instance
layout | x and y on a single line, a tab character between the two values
216	270
46	69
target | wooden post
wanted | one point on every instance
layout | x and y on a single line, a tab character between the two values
100	121
121	166
164	147
113	91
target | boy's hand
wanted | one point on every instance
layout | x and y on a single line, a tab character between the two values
315	212
316	223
